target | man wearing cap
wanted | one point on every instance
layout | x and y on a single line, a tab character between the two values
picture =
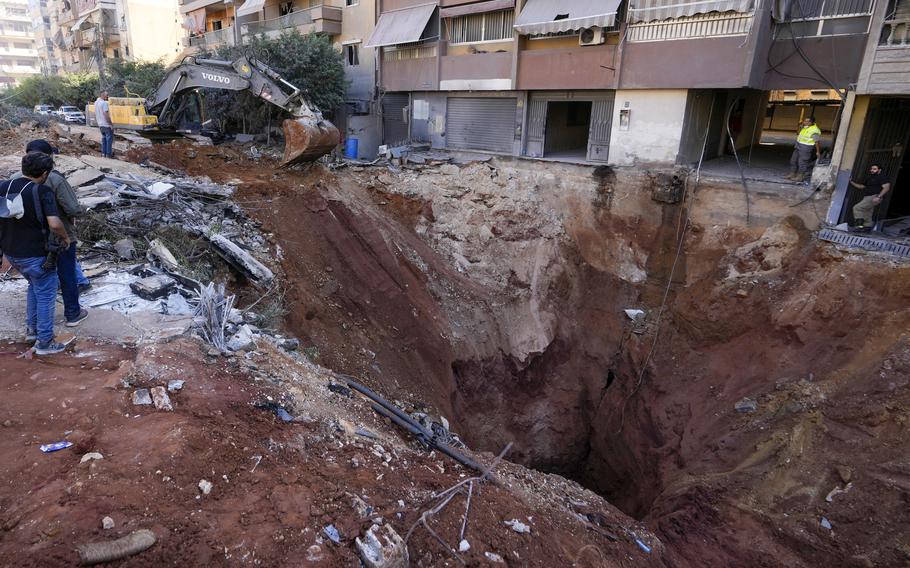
68	208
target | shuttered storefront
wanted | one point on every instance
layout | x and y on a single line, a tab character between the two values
481	124
394	125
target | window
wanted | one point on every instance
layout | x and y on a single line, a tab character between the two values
216	25
351	55
285	8
490	26
21	45
116	53
351	2
808	18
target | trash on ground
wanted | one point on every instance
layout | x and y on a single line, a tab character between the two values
101	552
56	446
205	486
331	532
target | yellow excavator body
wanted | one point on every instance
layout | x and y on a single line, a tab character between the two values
126	112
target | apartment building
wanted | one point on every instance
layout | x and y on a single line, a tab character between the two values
151	30
18	56
606	81
876	121
348	23
44	43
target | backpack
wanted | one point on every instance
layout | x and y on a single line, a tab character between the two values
12	208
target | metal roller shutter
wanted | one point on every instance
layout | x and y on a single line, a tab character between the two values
394	125
481	124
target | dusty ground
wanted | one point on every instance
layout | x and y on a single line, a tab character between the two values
494	295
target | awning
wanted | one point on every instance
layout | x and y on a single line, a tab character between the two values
650	10
547	17
250	7
195	21
80	21
401	26
478	8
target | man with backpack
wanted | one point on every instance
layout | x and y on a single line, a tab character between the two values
68	209
28	216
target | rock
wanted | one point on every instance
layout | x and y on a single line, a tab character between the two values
7	423
161	399
289	344
381	547
91	456
314	553
493	557
742	292
746	405
449	169
142	397
826	524
153	287
464	546
125	248
845	473
175	385
205	486
242	340
107	523
518	526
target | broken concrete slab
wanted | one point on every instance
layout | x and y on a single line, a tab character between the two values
84	176
242	340
142	397
241	260
153	287
125	248
382	547
157	251
161	399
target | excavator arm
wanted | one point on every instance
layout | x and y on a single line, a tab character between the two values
307	136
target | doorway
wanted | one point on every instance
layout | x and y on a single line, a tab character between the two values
568	124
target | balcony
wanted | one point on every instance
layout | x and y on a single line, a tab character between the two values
18	51
20	69
320	19
211	40
895	33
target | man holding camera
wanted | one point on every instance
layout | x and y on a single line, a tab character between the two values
27	245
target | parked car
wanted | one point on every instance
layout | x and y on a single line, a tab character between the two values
46	110
71	114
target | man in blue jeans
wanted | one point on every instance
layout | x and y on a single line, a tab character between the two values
24	242
67	209
103	118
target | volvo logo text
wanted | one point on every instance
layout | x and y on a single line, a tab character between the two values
216	78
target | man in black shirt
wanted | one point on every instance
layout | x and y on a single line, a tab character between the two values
874	188
24	242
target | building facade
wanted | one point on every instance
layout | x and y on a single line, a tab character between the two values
876	121
605	81
44	41
18	54
348	23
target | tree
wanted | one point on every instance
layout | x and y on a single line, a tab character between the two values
309	62
127	78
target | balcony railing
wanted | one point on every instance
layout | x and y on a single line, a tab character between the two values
698	26
895	33
214	38
292	20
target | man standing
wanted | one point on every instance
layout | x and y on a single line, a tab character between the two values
808	140
103	118
876	186
24	242
68	207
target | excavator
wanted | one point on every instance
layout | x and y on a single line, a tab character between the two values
307	136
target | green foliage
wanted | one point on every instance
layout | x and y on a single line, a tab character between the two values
75	89
308	62
140	78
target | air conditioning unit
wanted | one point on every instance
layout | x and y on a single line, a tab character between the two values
592	36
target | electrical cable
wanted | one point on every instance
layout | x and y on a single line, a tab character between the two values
681	239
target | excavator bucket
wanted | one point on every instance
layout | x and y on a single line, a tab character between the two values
307	139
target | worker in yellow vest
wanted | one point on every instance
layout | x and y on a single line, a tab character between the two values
808	140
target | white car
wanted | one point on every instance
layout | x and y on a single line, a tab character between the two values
71	114
45	110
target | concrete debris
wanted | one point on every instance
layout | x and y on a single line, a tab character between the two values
518	526
205	486
331	532
107	523
634	314
464	545
449	169
161	399
289	344
242	340
159	189
125	248
314	553
837	491
153	287
142	397
493	557
826	524
176	305
746	405
157	251
381	547
241	260
91	456
175	385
